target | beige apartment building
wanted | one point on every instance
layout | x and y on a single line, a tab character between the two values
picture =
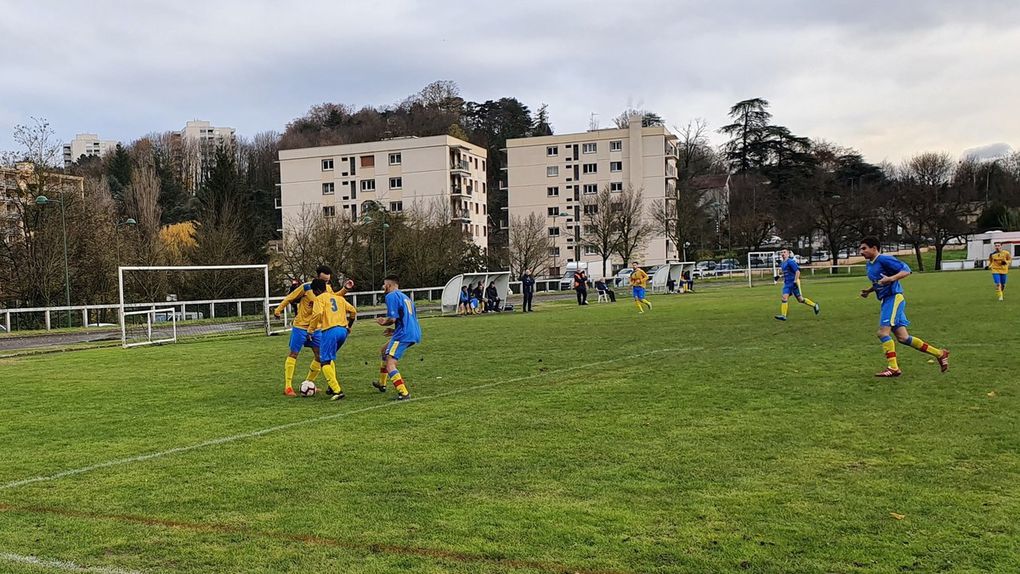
87	145
551	175
19	186
395	174
200	141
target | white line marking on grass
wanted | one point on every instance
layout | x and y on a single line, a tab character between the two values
258	433
61	564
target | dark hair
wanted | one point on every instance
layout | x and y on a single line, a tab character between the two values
393	278
323	269
871	241
318	286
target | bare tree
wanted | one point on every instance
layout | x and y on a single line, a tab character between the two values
633	225
601	226
529	244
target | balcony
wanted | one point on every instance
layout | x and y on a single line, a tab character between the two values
459	191
460	167
461	215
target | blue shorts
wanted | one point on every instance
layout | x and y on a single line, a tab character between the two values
999	278
792	290
332	339
894	312
299	338
396	348
639	292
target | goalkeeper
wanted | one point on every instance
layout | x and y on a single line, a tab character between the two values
791	285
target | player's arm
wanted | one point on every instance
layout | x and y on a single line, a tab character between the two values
347	286
295	295
392	312
318	310
352	316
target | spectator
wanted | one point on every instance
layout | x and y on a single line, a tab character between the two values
477	296
581	286
527	289
602	287
671	285
492	300
464	306
688	282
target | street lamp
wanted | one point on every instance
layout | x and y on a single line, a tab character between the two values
367	218
43	201
686	245
116	233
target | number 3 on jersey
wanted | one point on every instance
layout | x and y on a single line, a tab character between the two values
333	303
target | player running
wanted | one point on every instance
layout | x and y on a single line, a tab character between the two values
885	273
791	285
299	338
333	317
638	283
403	330
998	263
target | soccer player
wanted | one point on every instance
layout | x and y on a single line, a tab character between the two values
333	317
885	273
638	283
999	262
299	329
403	330
791	285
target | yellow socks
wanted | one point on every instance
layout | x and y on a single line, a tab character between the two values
784	308
809	302
383	375
920	345
313	371
288	372
398	383
889	346
640	308
329	370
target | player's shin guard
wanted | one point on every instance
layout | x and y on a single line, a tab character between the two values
313	371
398	382
640	307
784	308
383	374
329	369
809	302
288	372
889	346
920	345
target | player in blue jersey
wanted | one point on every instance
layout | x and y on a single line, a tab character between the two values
791	285
403	330
885	273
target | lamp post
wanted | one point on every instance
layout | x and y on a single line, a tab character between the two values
42	200
686	245
116	233
367	218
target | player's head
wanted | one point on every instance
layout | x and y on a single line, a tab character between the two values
391	283
784	254
319	286
870	247
998	246
634	265
324	272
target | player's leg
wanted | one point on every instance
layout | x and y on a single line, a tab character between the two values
297	340
393	353
316	367
644	301
1000	284
804	300
889	348
784	305
332	340
383	372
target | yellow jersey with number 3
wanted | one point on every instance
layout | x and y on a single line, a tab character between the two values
330	310
305	298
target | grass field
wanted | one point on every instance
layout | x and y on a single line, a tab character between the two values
702	436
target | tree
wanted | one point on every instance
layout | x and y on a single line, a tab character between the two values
633	226
118	170
752	205
681	216
529	244
747	150
929	206
600	224
541	126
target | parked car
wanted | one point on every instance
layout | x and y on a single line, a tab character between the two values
800	259
821	256
727	266
703	269
622	277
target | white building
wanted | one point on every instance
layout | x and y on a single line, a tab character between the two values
436	171
550	175
87	145
981	245
201	140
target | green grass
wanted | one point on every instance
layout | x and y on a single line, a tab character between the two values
702	436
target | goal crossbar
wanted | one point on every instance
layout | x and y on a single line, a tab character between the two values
150	318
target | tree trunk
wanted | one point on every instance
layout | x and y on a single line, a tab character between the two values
939	246
917	253
604	261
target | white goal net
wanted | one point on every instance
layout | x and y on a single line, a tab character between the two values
163	304
762	268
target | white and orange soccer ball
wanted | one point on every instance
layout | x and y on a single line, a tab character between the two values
308	389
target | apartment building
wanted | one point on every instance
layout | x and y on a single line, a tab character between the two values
551	175
87	145
19	187
394	174
201	140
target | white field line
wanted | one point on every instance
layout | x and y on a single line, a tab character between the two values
62	565
265	431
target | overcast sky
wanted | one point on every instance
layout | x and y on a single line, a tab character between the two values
890	78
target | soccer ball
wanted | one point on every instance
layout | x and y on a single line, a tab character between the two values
307	389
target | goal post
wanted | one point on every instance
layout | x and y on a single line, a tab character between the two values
196	300
762	264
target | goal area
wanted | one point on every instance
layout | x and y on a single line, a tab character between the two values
762	267
163	304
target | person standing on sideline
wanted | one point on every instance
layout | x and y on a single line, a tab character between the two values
998	263
581	286
527	289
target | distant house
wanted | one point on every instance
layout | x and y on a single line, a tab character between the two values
714	191
980	246
19	185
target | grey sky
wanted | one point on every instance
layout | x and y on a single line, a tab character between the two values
889	78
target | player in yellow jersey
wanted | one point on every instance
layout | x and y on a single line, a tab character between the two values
304	297
333	317
998	263
638	284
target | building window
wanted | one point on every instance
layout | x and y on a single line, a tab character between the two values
552	151
616	145
591	209
396	206
616	166
394	159
368	161
590	188
590	168
616	186
327	165
328	188
590	250
396	182
589	148
483	165
552	192
552	171
588	229
554	251
368	185
552	211
329	211
354	212
554	232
